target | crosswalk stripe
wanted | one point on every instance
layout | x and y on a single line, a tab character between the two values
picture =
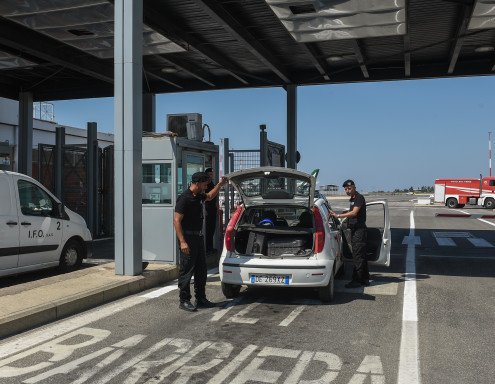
480	243
445	241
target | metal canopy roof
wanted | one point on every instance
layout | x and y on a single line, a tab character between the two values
63	49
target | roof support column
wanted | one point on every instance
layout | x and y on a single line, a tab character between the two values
291	126
149	107
25	134
128	99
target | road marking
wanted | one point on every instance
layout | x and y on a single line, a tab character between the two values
445	241
172	286
459	258
482	243
289	319
239	318
417	240
452	234
487	222
409	355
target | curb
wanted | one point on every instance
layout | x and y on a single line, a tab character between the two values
39	315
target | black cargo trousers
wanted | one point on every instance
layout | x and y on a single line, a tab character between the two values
210	223
358	244
192	264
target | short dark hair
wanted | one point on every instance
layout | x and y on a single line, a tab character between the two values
200	177
348	183
208	170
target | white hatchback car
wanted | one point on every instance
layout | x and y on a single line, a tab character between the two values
282	235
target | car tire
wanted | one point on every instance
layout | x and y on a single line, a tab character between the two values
489	203
326	293
71	257
230	291
451	202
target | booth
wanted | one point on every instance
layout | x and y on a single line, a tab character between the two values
168	165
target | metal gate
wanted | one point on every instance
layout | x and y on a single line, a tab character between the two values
74	182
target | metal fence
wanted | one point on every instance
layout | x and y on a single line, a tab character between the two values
244	158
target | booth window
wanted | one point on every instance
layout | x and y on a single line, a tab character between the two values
157	183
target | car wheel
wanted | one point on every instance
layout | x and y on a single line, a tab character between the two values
489	203
230	291
71	257
326	293
451	202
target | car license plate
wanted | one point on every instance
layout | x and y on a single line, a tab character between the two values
269	279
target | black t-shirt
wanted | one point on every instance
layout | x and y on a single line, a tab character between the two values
211	206
192	208
358	201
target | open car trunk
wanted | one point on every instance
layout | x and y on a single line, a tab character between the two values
275	232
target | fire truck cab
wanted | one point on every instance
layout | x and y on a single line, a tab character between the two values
456	193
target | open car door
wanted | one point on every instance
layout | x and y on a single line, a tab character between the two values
379	241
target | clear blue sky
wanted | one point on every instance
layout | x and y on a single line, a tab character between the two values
383	135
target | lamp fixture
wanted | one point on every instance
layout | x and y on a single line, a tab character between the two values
169	70
484	48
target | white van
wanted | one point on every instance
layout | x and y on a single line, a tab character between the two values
36	230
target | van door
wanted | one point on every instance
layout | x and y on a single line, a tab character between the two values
379	240
9	225
40	227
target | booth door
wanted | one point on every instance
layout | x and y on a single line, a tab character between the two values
191	163
158	212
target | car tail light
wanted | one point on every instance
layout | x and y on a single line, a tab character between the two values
320	231
229	232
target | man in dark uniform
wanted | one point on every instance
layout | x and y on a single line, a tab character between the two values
211	208
356	222
188	224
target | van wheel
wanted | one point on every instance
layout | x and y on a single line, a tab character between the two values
326	293
230	291
489	203
451	202
71	257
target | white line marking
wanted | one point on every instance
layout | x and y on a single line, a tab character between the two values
486	221
409	356
478	242
173	286
48	332
452	234
417	240
459	258
289	319
159	292
445	241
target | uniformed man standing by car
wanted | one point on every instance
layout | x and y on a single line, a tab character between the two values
356	222
188	224
211	208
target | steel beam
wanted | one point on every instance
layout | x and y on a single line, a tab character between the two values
35	44
226	165
360	59
128	131
25	134
230	24
291	126
467	11
166	27
317	62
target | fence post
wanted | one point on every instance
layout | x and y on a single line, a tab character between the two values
226	158
59	163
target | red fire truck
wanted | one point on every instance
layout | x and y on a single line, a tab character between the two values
456	193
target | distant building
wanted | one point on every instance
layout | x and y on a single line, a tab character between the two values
329	189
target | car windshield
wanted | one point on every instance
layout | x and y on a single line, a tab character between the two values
275	187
